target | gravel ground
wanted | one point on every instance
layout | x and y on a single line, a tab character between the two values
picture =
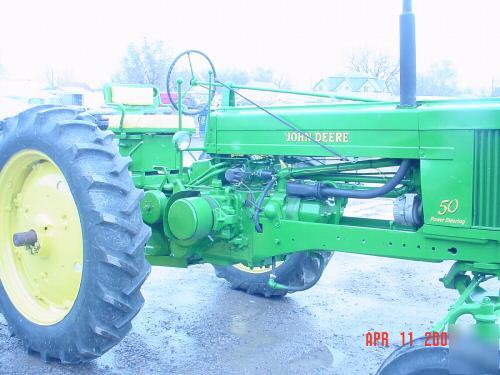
193	323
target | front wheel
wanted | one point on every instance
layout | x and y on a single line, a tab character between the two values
416	359
71	236
297	271
422	359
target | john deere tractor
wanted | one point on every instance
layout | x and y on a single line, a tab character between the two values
89	200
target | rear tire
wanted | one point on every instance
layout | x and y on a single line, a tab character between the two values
296	270
113	234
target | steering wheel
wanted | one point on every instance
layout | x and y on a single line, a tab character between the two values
189	76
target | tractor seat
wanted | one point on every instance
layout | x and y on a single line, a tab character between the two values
139	107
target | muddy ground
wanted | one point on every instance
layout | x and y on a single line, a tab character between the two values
193	323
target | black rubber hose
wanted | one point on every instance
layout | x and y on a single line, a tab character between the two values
260	202
320	191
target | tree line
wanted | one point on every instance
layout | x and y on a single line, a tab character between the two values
439	80
148	62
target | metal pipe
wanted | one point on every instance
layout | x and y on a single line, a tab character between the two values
357	178
207	177
320	191
339	167
291	92
407	57
179	113
209	104
213	171
179	102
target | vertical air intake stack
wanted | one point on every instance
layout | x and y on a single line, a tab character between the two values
407	57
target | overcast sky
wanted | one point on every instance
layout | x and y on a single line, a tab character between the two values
303	39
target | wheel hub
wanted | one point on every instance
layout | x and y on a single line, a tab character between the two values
256	270
41	244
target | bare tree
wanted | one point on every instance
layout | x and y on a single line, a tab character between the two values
282	82
146	63
440	80
55	78
234	75
259	74
50	77
495	87
375	64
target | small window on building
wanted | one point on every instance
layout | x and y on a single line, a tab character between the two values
367	88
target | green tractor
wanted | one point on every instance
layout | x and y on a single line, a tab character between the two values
91	200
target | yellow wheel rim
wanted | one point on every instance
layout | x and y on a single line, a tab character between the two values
255	270
42	281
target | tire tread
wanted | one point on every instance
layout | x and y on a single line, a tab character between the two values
121	273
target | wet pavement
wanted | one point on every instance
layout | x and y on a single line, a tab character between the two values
193	323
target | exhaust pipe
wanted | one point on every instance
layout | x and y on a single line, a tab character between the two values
407	57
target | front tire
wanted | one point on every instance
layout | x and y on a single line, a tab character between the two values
416	359
422	359
82	159
295	271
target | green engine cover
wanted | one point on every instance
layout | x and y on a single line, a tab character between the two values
190	218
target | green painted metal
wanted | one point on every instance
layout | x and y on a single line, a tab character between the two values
486	179
124	108
149	150
440	136
236	206
208	212
280	91
436	146
153	206
190	218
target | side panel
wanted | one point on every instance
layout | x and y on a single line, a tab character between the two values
363	143
371	131
149	150
447	158
487	179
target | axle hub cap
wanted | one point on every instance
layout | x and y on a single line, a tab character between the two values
35	196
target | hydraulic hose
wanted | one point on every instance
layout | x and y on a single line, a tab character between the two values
260	202
209	171
321	191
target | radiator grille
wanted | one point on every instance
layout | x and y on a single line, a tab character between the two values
486	211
